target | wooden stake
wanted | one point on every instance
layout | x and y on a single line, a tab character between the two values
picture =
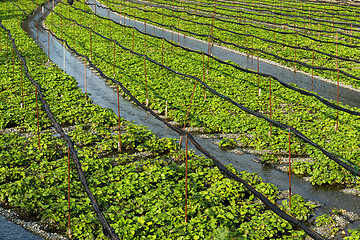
187	114
258	75
13	57
132	48
85	83
90	46
252	51
289	171
69	210
295	53
186	176
118	99
270	104
37	117
147	99
162	55
203	79
312	71
114	61
22	88
166	108
350	33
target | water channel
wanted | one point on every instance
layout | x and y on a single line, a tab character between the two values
106	97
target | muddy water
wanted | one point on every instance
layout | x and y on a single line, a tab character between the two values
106	97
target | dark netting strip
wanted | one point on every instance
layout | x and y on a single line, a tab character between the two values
291	5
251	25
213	14
278	7
217	163
263	9
251	49
245	109
108	230
301	91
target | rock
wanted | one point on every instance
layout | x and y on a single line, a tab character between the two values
237	151
351	191
350	216
340	221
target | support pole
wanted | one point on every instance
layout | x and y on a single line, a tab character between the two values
186	176
289	169
146	85
118	99
22	88
203	79
85	83
312	71
69	210
270	105
187	114
37	117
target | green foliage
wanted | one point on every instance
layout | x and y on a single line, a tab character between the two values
324	220
215	114
227	143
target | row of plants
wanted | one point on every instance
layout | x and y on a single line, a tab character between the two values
306	114
181	20
140	190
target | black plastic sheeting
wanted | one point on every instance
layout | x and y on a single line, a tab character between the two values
108	230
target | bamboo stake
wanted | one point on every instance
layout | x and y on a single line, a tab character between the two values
69	210
22	88
114	61
90	46
295	53
289	171
85	83
203	67
187	114
312	71
118	99
166	108
270	105
350	33
258	75
146	85
162	55
338	84
186	176
132	48
13	58
37	117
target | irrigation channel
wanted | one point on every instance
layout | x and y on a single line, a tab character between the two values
106	97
